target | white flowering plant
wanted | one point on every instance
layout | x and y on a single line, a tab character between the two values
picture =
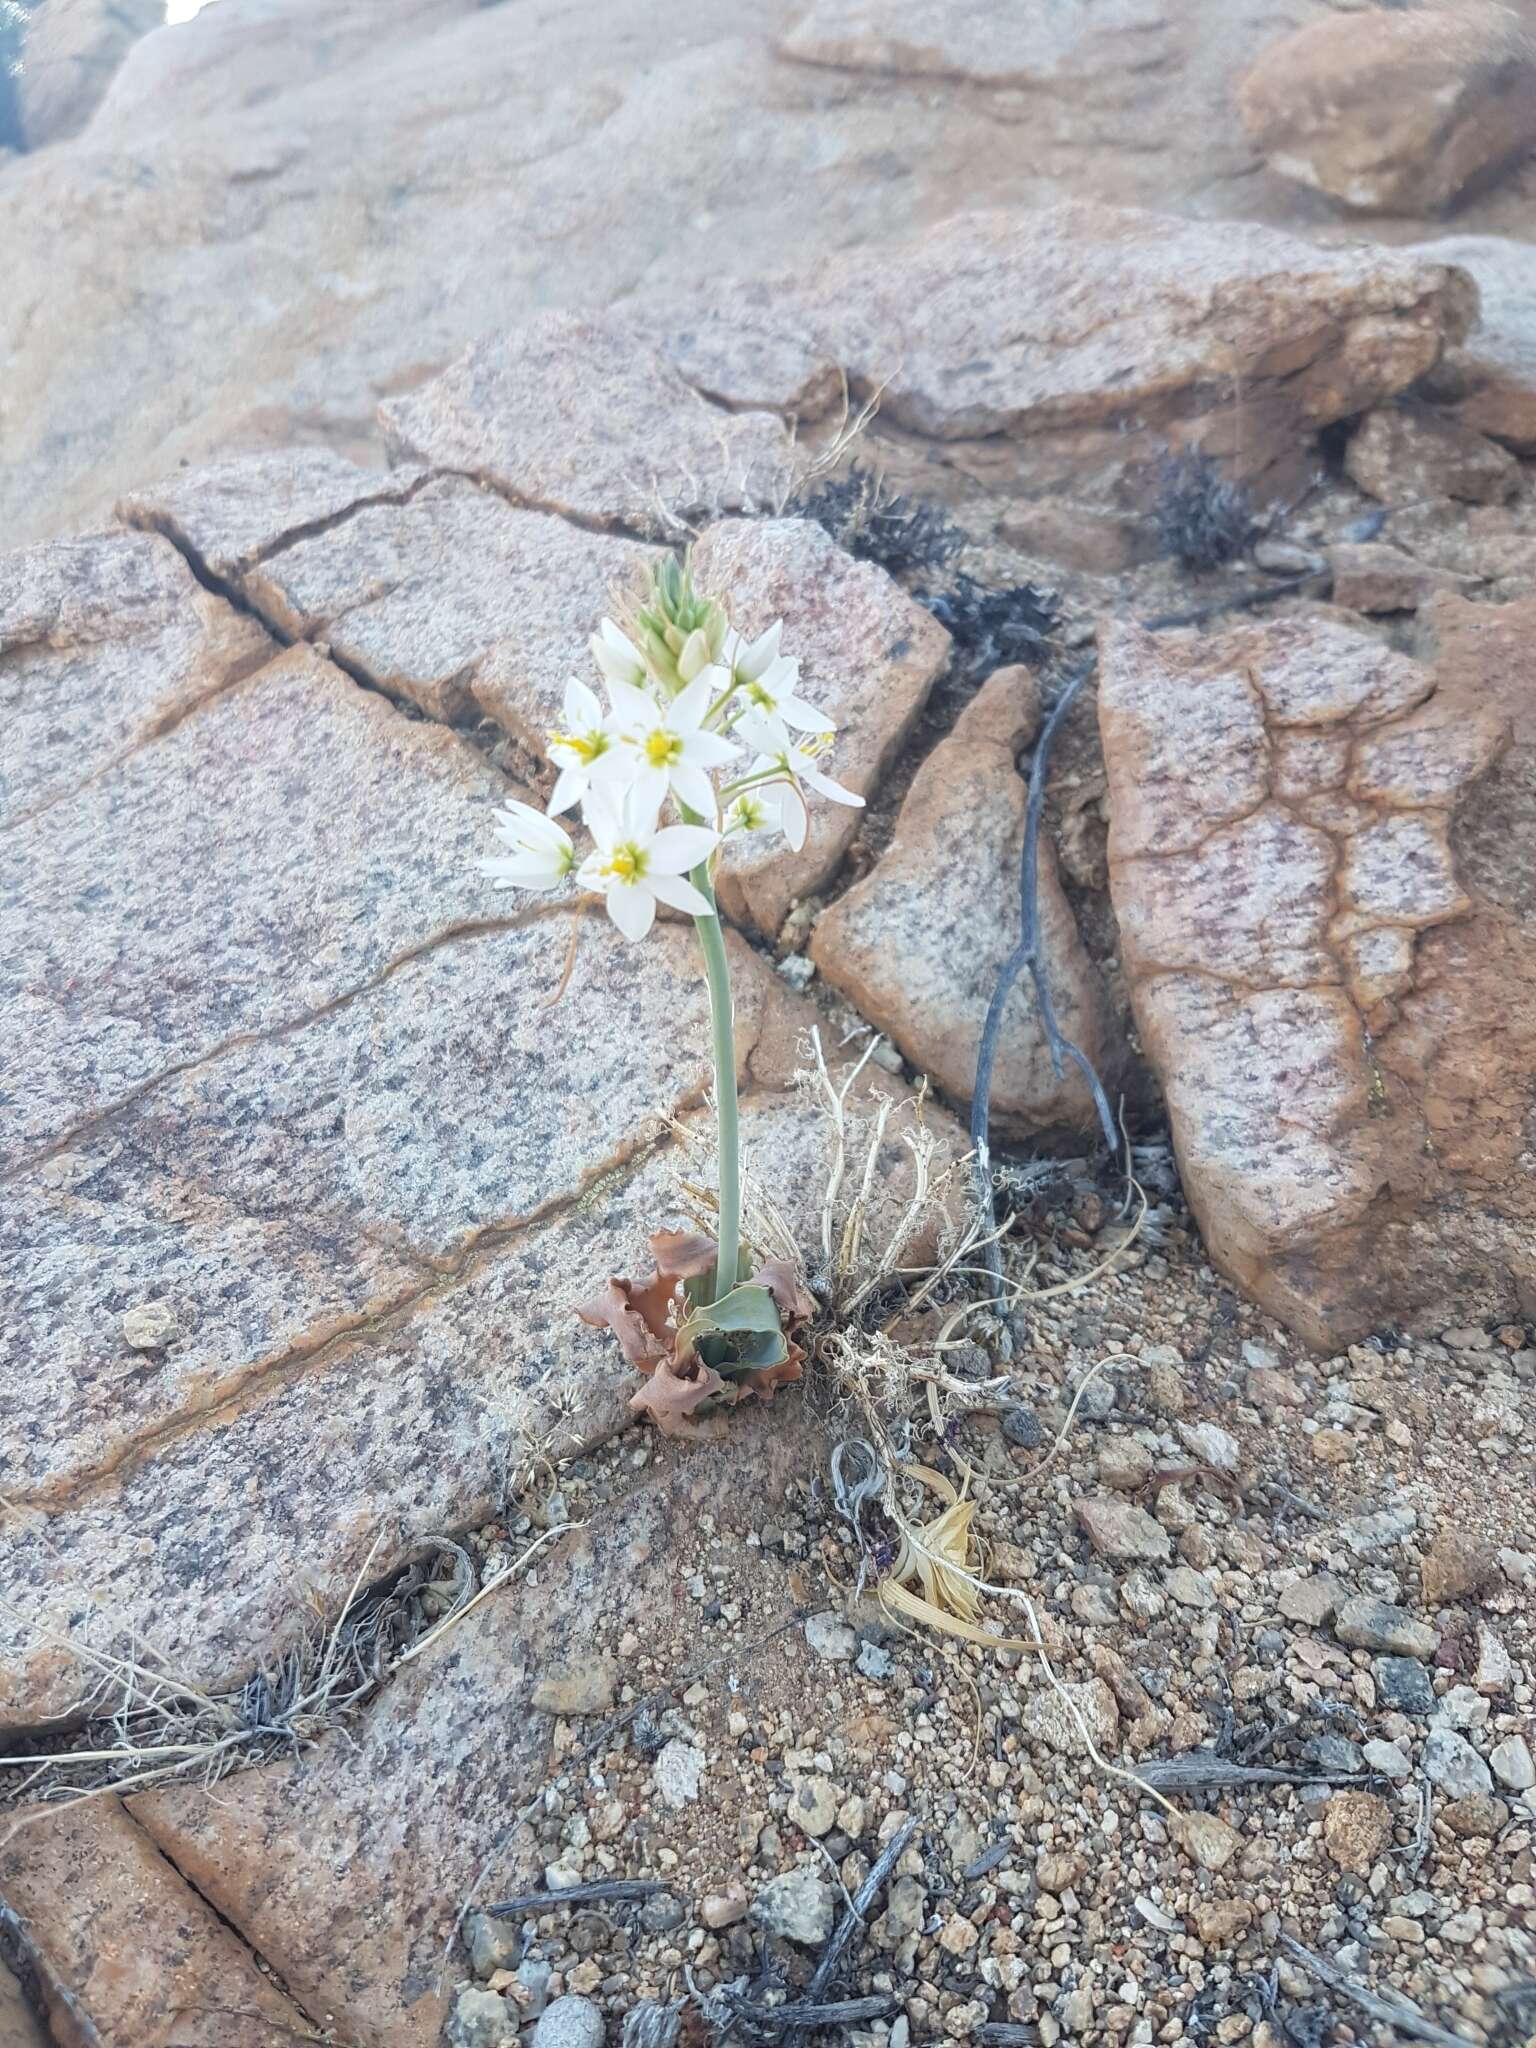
704	738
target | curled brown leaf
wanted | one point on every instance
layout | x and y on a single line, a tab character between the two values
671	1400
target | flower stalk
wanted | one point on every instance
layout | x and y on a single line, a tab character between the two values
709	729
722	1025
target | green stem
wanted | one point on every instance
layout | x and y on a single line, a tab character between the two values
717	971
722	1025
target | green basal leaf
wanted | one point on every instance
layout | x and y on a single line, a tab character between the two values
738	1333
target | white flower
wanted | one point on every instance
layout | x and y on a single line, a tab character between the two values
584	746
797	770
765	685
637	866
616	654
542	853
668	745
773	807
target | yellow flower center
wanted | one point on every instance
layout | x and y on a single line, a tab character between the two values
624	863
585	746
663	748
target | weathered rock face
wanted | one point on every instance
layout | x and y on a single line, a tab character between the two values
1399	113
869	655
222	927
437	592
1057	353
104	641
115	1933
18	2027
1406	453
918	944
1306	962
427	1738
267	1227
579	417
1493	373
246	166
929	39
70	50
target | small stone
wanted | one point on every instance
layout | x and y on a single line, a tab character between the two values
1119	1529
1315	1600
1095	1605
1513	1765
1455	1567
1048	1718
1495	1672
1166	1393
1355	1826
1386	1758
1365	1535
1215	1447
662	1912
1277	557
905	1911
957	1937
1190	1588
1403	1686
1333	1447
1124	1465
1207	1839
1022	1426
1478	1815
149	1327
1369	1624
1461	1707
1335	1755
569	2022
797	1907
676	1773
873	1662
587	1686
493	1944
1451	1762
1220	1922
1059	1870
481	2019
723	1909
831	1637
813	1804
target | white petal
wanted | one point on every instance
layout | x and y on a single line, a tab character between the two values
677	848
804	717
642	802
583	713
793	817
708	749
693	787
570	787
616	654
754	660
680	895
829	788
766	731
521	871
632	908
634	710
689	707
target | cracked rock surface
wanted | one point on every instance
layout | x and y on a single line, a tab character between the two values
1306	961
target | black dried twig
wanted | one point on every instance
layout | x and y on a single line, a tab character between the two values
605	1890
862	1900
1401	2012
902	535
1028	953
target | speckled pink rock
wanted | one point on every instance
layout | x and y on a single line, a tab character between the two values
1283	799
